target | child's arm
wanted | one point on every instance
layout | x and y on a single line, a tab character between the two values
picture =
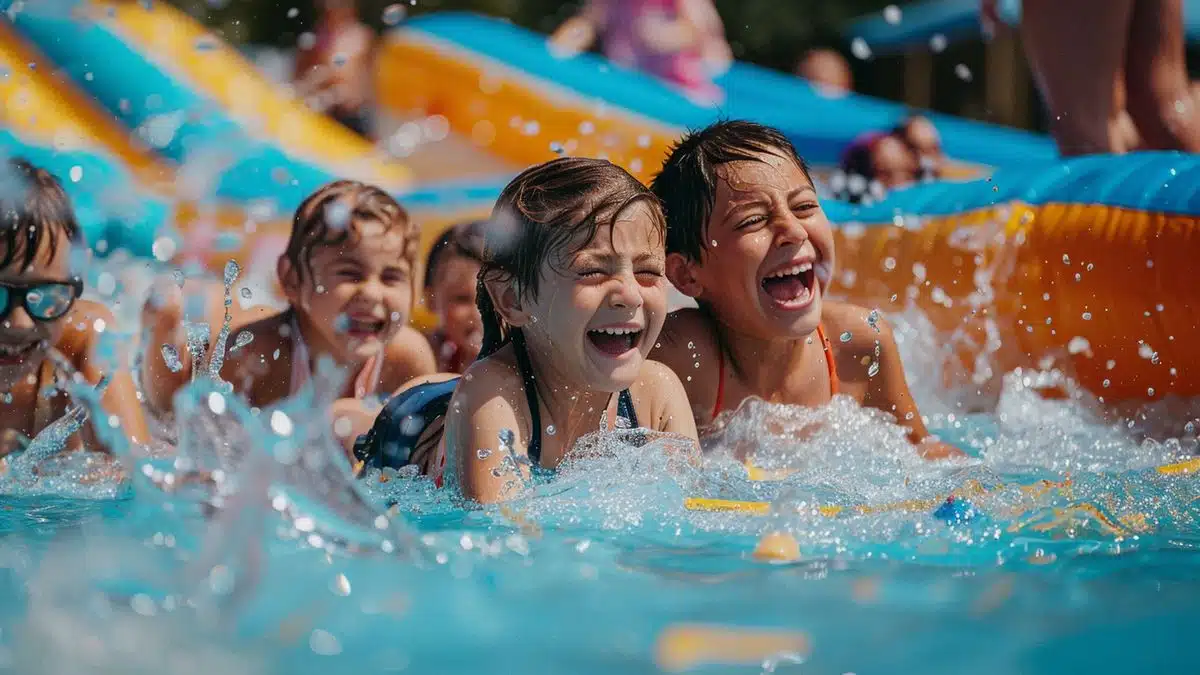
888	391
409	356
120	398
482	412
672	412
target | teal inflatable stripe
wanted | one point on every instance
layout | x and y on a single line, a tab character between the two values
821	127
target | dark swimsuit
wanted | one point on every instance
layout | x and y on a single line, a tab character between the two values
399	426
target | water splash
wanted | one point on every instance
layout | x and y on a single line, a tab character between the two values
232	270
171	357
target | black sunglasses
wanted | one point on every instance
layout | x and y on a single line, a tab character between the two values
42	300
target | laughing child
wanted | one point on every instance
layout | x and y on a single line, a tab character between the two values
347	274
573	295
47	333
450	284
746	237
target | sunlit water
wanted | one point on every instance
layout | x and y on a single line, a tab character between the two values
254	551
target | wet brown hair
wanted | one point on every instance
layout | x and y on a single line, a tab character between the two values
335	213
687	184
33	208
464	240
539	214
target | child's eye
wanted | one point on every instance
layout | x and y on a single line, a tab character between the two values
348	273
590	274
750	222
395	277
805	207
653	273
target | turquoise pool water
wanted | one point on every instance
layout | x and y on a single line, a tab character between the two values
298	569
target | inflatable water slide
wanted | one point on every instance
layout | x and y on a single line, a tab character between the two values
170	113
1081	264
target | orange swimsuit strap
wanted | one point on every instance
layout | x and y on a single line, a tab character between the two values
826	346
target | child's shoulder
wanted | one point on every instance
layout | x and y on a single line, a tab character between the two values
856	334
408	355
82	326
685	332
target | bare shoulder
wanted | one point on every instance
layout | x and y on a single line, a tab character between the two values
687	335
494	376
408	355
657	380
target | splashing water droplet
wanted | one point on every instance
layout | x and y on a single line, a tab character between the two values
873	369
860	49
393	14
242	339
1066	259
76	173
341	585
232	270
216	403
938	43
246	293
306	41
1078	345
892	14
171	358
281	424
324	643
1087	316
846	337
962	72
873	320
483	453
550	430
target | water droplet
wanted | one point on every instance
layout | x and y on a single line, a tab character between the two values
938	43
340	585
483	453
275	355
324	643
1087	316
216	402
171	358
293	13
506	437
281	424
497	472
1078	345
76	173
873	369
342	426
550	430
1107	382
1066	259
393	14
246	292
962	72
320	289
306	41
846	336
242	339
205	44
873	319
860	49
1189	428
691	345
232	270
1158	307
106	284
623	422
1149	391
892	14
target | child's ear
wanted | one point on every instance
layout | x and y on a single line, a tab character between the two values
289	279
681	272
507	302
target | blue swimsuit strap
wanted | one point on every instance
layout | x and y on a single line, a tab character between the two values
624	399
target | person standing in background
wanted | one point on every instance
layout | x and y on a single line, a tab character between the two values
334	65
1083	51
679	41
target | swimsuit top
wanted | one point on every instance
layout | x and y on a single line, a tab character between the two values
393	439
825	345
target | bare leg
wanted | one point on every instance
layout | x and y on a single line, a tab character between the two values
1159	93
1076	49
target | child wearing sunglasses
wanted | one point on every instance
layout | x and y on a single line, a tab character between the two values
48	335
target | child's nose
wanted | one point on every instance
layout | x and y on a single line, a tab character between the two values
790	230
626	294
19	319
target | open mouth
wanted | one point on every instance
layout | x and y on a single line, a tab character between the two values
11	354
364	328
791	287
615	341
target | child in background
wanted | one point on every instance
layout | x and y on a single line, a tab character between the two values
47	334
451	274
923	139
573	295
874	165
746	237
347	274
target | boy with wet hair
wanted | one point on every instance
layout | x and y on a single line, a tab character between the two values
748	240
48	335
